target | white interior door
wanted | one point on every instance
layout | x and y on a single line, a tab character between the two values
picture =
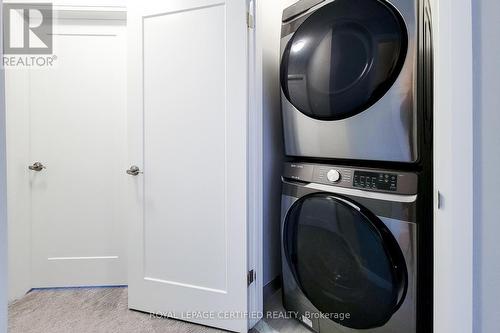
188	125
78	122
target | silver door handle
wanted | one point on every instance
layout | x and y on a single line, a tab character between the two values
37	166
134	170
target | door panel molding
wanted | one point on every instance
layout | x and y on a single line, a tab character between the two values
76	201
188	125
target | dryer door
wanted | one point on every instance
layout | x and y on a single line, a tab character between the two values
345	260
343	58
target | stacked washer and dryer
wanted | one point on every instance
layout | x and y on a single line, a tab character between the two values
356	84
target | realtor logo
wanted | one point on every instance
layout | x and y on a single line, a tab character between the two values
27	28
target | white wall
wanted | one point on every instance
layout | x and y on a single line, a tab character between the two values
273	136
486	34
3	199
270	30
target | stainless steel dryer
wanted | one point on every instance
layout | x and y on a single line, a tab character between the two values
349	248
349	79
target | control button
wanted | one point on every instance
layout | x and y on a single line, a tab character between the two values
333	176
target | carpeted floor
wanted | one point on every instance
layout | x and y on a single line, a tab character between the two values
104	310
99	310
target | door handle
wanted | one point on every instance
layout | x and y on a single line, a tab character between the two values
37	166
134	170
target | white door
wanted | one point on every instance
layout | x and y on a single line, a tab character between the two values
78	119
188	110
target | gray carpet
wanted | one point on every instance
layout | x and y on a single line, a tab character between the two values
104	310
99	310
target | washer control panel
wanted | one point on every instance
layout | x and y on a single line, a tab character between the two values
331	175
356	178
376	180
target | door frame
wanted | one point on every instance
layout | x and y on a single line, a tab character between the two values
453	156
255	168
3	194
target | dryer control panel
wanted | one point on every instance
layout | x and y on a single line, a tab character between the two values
356	178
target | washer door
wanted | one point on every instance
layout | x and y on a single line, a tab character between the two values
343	58
345	260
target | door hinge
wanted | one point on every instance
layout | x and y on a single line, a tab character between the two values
250	20
251	277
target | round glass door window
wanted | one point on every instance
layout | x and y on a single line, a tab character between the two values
344	58
345	260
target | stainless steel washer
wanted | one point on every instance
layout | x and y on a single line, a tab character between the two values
350	79
349	248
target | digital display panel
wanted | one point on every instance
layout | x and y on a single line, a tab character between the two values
375	180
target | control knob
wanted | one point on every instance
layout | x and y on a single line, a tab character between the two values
333	176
